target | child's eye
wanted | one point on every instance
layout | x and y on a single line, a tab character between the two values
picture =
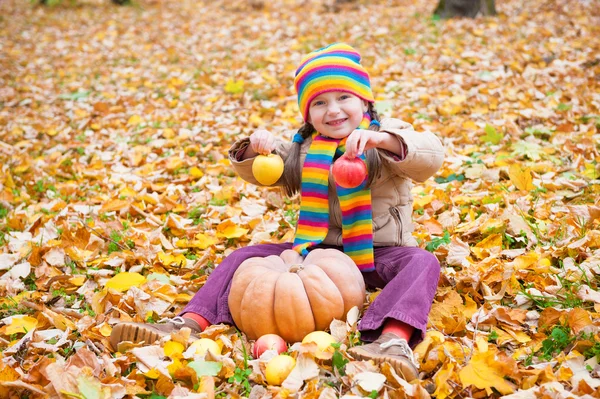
344	96
316	103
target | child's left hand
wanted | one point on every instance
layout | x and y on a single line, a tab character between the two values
362	140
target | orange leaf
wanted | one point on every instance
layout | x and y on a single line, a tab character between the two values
579	319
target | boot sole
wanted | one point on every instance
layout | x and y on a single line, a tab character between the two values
133	333
405	370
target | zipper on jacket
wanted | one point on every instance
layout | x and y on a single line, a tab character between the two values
396	215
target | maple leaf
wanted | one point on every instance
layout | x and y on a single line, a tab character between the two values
532	151
521	177
492	135
485	371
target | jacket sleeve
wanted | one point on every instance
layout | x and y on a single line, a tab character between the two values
244	167
424	152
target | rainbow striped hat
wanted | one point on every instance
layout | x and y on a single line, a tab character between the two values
332	68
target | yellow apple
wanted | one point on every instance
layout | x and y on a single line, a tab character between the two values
205	344
267	169
279	368
321	338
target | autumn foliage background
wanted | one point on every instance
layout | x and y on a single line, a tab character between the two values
117	199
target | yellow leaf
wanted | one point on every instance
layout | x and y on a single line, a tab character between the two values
168	259
21	169
447	313
458	99
183	298
485	372
469	125
420	202
125	280
134	120
442	377
173	367
590	171
449	109
234	86
153	374
521	177
77	281
490	244
51	132
8	180
173	349
21	324
492	226
255	120
105	330
7	373
174	163
229	230
526	261
168	133
470	307
195	172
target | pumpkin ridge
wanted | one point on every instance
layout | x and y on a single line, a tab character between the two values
245	274
324	296
256	320
292	325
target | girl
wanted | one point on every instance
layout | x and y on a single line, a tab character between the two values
337	105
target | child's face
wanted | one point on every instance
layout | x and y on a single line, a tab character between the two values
336	114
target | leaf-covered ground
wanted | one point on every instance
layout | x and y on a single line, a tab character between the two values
114	126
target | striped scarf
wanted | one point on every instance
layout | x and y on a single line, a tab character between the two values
357	219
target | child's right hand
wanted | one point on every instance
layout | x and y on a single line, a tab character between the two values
262	142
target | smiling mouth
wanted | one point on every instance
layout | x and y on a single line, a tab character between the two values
336	122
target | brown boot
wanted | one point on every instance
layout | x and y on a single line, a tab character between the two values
389	348
149	333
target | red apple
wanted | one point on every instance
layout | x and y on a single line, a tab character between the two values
349	173
266	342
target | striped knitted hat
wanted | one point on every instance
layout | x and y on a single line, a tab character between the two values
332	68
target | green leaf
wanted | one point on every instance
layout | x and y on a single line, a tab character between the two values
437	242
157	396
532	151
88	387
339	362
492	135
202	367
450	178
563	107
75	96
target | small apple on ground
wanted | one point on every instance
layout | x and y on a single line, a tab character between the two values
267	169
204	345
279	368
349	173
266	342
321	338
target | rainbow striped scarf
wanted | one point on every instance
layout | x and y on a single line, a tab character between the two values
357	219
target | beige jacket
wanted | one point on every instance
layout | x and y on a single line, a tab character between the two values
390	193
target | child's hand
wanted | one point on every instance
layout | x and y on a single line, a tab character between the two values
262	142
360	141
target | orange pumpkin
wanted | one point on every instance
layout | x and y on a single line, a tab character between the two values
291	296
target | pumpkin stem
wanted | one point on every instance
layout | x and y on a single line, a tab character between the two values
296	268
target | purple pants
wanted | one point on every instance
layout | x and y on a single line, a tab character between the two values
408	276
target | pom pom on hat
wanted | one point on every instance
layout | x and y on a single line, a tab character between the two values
333	68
